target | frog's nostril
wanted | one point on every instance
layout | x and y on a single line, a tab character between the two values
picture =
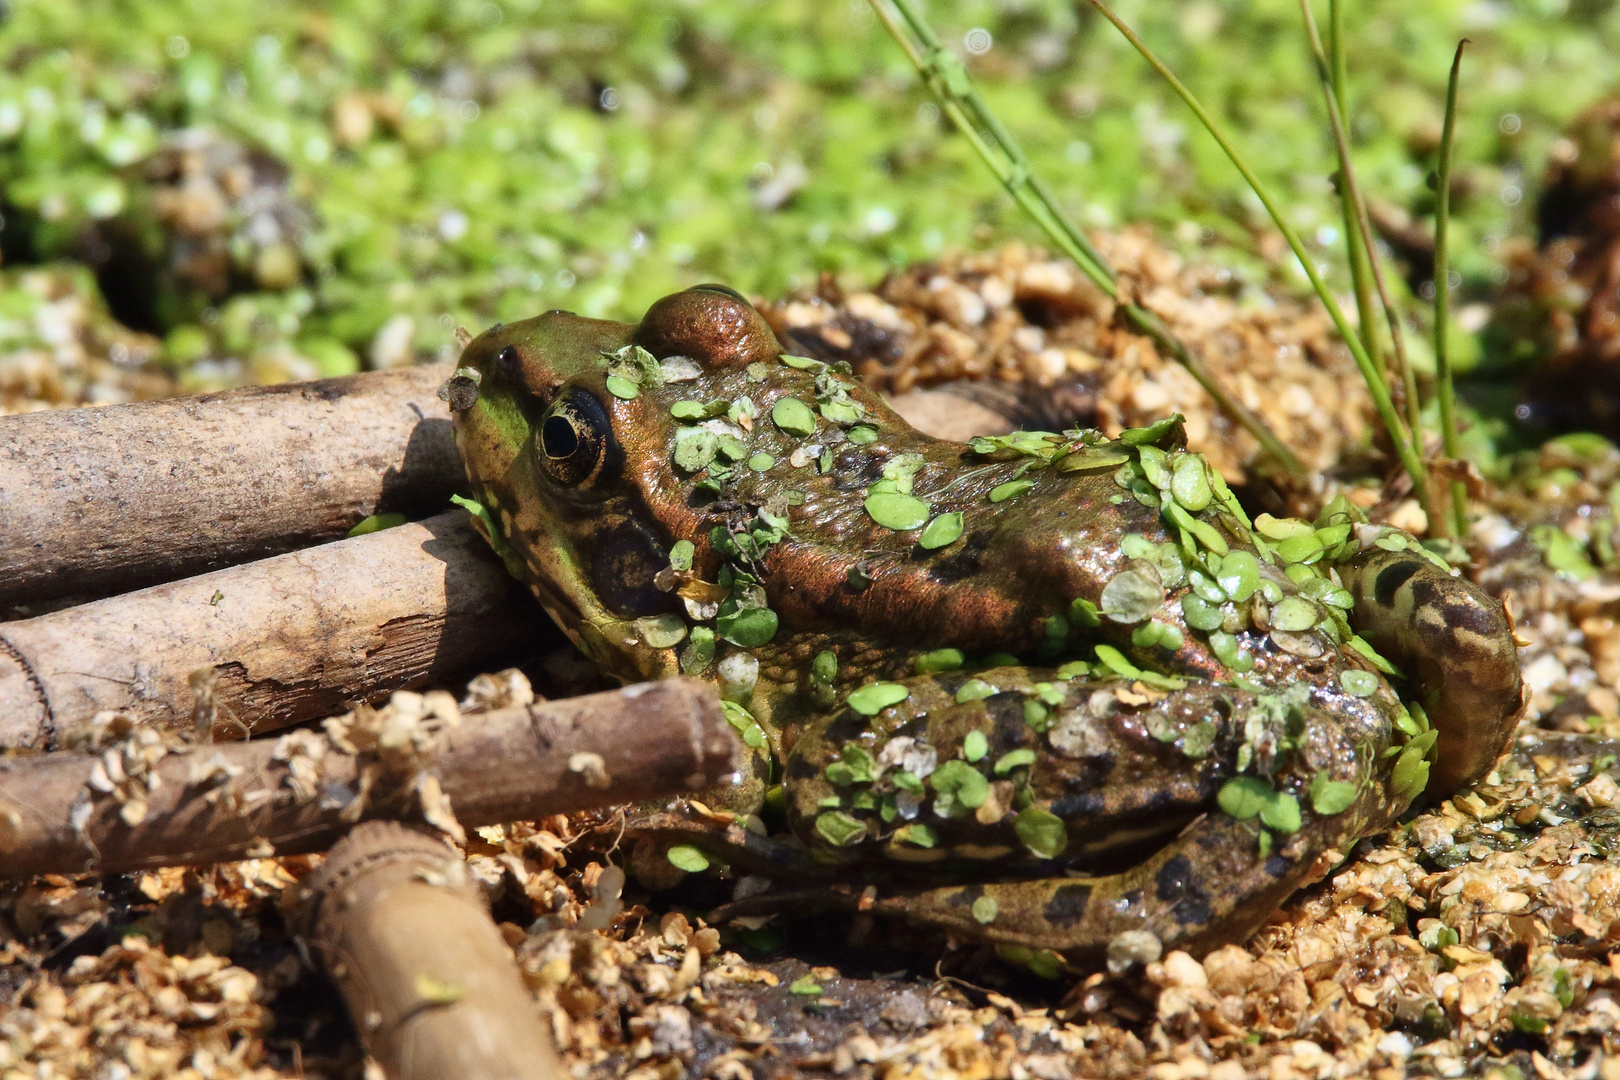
508	363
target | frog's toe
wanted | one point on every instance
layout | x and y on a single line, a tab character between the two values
730	839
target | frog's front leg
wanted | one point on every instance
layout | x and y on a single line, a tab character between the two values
1209	886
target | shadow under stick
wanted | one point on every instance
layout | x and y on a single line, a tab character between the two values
429	980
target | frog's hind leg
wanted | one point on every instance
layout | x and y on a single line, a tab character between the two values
1209	886
1454	643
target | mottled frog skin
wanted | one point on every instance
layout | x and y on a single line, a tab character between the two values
1053	693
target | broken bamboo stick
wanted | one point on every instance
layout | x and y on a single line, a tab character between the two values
272	643
103	500
136	804
428	979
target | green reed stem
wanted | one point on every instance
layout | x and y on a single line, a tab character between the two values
1356	252
1442	297
948	80
1355	208
1371	373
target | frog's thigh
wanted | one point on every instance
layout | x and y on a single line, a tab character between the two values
1206	888
1117	766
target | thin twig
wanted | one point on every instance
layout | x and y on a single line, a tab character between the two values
1442	298
1371	373
951	86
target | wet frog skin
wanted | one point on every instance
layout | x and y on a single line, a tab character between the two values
1053	693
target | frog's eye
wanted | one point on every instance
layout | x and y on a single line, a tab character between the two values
575	441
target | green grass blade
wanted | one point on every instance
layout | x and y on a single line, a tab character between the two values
948	80
1355	209
1356	253
1372	374
1442	298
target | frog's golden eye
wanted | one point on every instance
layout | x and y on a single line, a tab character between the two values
575	441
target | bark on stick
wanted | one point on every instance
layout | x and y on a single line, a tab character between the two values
101	811
279	641
429	980
95	501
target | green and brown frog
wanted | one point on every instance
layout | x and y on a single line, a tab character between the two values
1056	693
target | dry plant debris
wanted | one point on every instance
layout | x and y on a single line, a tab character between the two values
1021	317
1562	304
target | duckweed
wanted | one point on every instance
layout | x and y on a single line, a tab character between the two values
897	510
975	690
938	660
1012	488
1013	759
1041	831
793	416
942	531
873	698
1358	683
1330	796
839	829
688	858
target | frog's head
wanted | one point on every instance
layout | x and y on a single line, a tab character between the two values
568	456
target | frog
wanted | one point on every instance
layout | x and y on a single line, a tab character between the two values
1053	693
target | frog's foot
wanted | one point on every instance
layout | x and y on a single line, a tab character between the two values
1212	885
1455	644
725	837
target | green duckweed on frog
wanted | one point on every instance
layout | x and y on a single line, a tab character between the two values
1055	693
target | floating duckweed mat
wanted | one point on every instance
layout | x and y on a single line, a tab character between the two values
288	190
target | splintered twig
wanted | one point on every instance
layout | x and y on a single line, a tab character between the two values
135	805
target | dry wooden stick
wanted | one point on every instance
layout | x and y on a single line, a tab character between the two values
96	501
134	804
272	643
427	976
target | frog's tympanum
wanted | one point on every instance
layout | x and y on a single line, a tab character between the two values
1057	693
